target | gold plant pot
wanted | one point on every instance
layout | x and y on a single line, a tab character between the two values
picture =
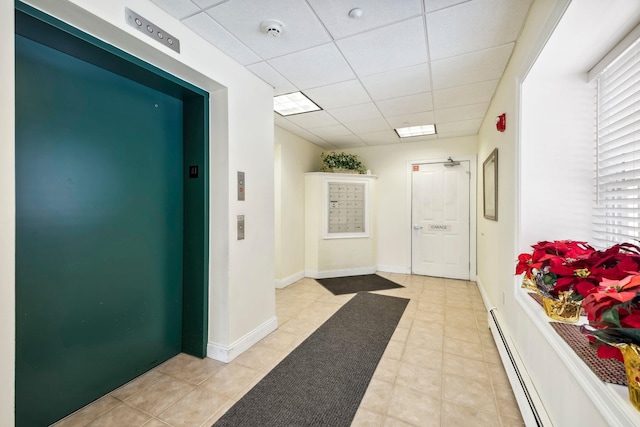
562	309
631	353
529	283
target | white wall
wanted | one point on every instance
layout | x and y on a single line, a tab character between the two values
294	157
7	215
393	214
242	300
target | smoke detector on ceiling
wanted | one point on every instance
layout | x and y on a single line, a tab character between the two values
355	13
272	27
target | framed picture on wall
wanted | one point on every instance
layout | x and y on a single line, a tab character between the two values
490	186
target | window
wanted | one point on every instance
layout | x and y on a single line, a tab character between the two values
617	201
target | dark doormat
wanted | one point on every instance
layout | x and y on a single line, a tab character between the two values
353	284
322	381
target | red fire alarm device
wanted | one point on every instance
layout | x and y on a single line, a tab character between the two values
501	122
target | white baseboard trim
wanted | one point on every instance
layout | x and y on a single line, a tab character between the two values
394	269
227	353
325	274
283	283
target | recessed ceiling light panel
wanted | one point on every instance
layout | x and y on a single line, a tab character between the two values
410	131
293	103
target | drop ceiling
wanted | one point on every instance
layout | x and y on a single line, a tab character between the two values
402	63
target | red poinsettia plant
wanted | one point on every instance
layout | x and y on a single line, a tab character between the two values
613	311
574	267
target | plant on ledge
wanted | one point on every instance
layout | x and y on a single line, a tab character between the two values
613	311
566	266
342	162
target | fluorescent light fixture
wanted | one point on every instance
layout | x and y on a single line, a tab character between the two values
293	103
416	131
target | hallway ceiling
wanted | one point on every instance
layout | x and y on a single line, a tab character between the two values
402	63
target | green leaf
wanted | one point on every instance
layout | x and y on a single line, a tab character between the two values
611	317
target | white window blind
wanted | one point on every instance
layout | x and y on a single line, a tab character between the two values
617	210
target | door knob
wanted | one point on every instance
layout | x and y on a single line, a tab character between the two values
417	227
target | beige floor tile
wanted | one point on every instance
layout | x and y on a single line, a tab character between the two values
511	422
426	305
231	379
498	376
215	417
122	415
507	405
196	370
454	415
463	334
174	364
366	418
464	349
468	392
419	355
420	378
394	350
90	412
138	384
393	422
155	423
413	407
161	395
377	396
400	335
465	367
194	409
279	340
387	369
259	357
429	316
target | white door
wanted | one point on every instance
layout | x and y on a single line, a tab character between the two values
440	220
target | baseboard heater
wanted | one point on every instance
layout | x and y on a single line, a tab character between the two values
533	412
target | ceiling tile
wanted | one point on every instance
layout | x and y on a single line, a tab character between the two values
178	8
295	129
346	141
376	13
266	72
415	119
461	126
356	113
318	66
339	95
208	29
388	48
208	3
433	5
467	112
464	95
327	132
406	104
314	119
486	64
393	84
418	138
380	138
478	24
371	125
302	29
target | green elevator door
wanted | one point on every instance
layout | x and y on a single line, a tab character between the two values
99	235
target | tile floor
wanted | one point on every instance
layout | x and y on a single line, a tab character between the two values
441	367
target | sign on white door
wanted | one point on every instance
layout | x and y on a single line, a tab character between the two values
440	220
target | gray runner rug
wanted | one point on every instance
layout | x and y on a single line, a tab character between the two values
322	381
354	284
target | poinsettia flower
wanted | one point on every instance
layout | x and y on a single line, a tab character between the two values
595	304
608	352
